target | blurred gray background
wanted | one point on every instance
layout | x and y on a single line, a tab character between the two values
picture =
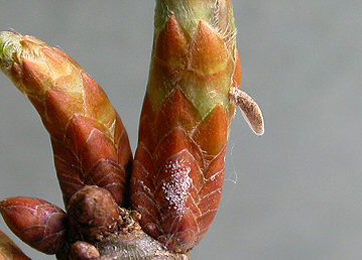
296	192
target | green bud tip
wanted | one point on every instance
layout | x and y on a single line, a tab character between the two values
9	47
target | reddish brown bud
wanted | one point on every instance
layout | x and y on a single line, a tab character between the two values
93	213
37	222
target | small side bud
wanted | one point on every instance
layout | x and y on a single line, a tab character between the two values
93	213
83	251
38	223
249	109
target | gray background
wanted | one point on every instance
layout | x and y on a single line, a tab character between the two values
293	194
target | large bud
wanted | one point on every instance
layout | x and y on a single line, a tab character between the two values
89	140
187	113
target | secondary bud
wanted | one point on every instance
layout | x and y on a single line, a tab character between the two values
37	222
